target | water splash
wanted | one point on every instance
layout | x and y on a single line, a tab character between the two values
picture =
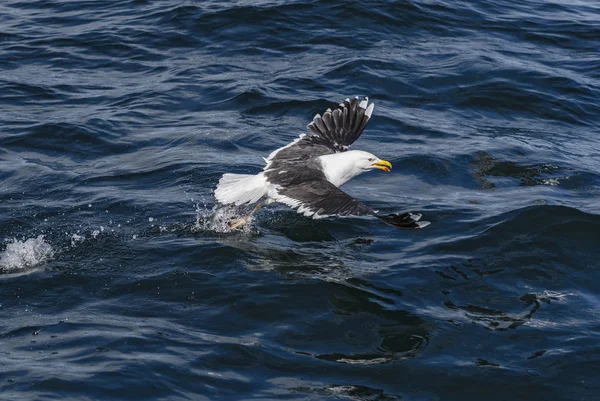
76	238
20	255
218	219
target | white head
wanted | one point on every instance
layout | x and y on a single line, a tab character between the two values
340	167
368	161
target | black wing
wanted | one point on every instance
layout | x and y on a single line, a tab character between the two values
341	127
320	198
304	149
407	221
331	133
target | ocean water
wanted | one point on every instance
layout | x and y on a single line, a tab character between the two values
119	276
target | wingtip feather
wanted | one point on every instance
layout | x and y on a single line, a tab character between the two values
422	224
363	104
342	126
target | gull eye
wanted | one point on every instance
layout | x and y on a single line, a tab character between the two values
371	159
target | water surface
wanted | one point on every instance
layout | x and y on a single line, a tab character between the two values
117	119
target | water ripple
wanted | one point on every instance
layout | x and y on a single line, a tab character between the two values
119	117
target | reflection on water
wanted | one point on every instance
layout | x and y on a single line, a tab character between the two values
494	319
362	328
488	168
353	392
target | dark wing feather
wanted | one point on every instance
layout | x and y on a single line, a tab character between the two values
320	198
406	221
333	132
341	127
298	155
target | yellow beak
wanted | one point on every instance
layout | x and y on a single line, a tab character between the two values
383	165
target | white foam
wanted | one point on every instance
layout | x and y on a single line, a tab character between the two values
23	254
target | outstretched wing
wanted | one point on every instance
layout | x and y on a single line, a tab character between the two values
319	198
333	132
341	127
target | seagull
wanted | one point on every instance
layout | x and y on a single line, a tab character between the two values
306	174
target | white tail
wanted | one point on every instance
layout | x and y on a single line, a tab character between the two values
241	188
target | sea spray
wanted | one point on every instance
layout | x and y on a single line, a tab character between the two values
219	218
23	254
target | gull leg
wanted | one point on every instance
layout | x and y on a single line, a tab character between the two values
233	224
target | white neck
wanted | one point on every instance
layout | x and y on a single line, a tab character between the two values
340	167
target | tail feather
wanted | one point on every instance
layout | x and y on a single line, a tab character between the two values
240	188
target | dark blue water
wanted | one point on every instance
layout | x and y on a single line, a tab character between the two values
117	119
